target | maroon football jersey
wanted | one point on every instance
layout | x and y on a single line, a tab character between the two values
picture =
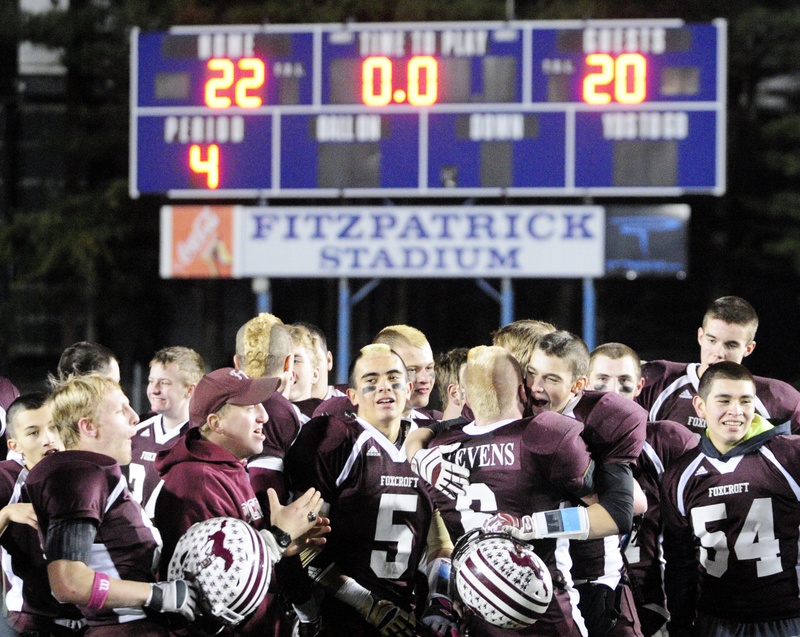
8	394
151	437
614	429
266	468
519	467
28	600
380	510
666	442
201	480
83	485
307	407
670	387
743	511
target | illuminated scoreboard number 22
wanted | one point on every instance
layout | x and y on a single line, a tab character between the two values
233	86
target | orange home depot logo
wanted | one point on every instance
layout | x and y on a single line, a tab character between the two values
202	241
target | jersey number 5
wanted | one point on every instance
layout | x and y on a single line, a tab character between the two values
756	540
387	531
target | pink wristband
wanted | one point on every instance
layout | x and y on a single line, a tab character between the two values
100	589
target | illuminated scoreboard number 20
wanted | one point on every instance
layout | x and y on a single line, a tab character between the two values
627	73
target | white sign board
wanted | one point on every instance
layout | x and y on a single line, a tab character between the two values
383	241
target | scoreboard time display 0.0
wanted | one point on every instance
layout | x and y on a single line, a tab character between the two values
572	108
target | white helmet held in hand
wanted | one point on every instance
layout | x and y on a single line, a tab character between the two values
500	579
228	561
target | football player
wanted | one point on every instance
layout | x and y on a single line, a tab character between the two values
100	546
413	348
733	504
614	430
264	348
85	357
520	337
31	607
321	389
306	365
520	467
380	511
174	373
727	334
616	368
451	391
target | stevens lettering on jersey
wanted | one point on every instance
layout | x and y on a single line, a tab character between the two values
729	489
399	481
491	455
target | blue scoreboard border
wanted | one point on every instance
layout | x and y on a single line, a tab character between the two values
269	161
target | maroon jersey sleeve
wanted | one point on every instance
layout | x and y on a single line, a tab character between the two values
8	394
561	451
80	491
657	377
780	401
308	406
318	455
336	406
614	427
266	469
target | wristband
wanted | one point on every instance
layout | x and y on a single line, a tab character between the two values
101	586
571	523
439	576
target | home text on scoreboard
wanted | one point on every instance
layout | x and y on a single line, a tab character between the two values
618	108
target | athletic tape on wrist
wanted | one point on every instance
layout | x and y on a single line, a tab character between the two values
101	586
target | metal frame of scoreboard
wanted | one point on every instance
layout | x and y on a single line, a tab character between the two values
521	108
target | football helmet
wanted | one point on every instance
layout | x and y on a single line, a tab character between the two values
228	562
500	579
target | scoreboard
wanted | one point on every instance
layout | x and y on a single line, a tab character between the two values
519	108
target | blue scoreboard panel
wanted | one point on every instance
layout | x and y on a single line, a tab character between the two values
617	108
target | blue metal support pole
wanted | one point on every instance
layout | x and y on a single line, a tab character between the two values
343	342
346	303
507	302
261	288
505	298
589	312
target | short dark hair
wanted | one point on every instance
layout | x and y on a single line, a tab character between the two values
371	350
616	351
569	347
727	370
83	357
447	368
734	310
25	402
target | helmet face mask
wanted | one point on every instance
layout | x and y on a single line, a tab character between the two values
500	579
228	562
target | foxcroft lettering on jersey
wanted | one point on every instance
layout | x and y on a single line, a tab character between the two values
399	481
729	489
